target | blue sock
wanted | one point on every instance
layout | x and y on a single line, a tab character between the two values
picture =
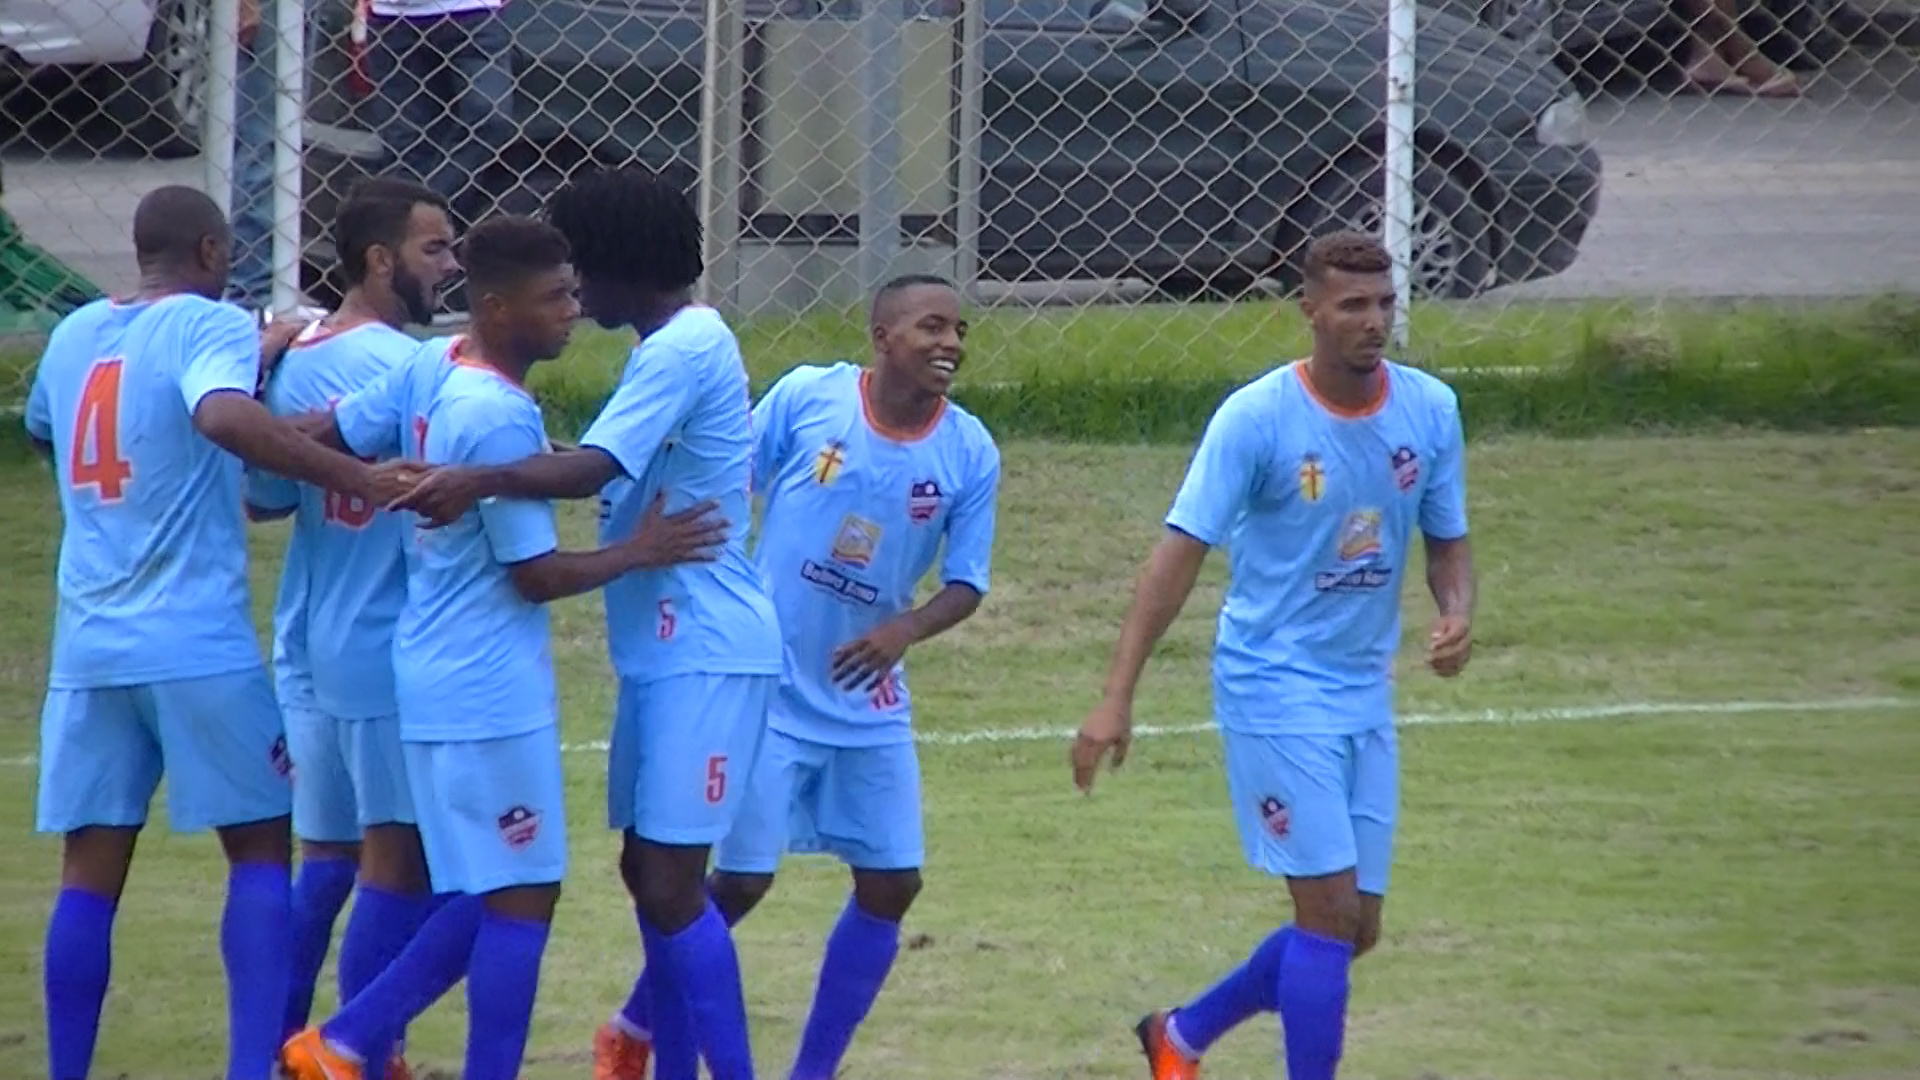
79	959
700	960
676	1052
1313	1003
502	979
1253	987
258	949
424	971
860	953
378	930
319	892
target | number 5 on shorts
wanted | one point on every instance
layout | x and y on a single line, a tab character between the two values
717	779
106	472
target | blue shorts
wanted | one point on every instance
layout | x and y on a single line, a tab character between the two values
492	813
681	749
347	775
1312	805
218	740
862	804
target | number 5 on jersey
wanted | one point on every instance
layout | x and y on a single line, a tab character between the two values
96	427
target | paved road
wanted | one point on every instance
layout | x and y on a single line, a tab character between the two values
1703	197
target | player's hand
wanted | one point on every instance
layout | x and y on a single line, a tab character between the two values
439	495
275	340
1449	645
693	535
393	479
867	661
1109	727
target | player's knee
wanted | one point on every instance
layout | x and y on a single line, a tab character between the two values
1327	906
526	903
668	883
886	894
268	841
393	860
96	859
737	894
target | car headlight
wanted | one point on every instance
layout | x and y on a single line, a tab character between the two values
1563	123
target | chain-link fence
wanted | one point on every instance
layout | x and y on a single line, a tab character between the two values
1147	167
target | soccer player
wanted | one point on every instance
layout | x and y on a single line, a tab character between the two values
865	474
147	409
696	647
341	594
1314	476
473	668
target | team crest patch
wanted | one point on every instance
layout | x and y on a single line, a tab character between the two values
923	501
282	760
1274	813
1360	535
1406	468
519	827
829	461
1313	478
855	542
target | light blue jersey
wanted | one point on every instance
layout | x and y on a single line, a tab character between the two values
472	658
350	550
1317	510
153	559
855	516
680	422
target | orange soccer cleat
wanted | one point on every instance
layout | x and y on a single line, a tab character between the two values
307	1056
1164	1060
397	1068
619	1055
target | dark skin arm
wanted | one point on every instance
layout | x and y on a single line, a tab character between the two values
658	541
865	662
450	492
243	427
1450	579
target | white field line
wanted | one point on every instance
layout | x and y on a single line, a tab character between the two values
1557	715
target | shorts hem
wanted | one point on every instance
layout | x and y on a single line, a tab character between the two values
126	681
496	883
765	867
677	837
325	836
61	827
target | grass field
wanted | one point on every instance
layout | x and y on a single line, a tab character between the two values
1702	895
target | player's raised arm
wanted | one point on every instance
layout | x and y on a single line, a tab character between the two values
1215	492
1443	527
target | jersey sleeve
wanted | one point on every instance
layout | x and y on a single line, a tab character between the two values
1443	505
1222	476
970	526
39	417
647	405
222	353
772	431
516	529
369	418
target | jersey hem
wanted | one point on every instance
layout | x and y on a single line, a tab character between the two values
124	679
656	674
457	735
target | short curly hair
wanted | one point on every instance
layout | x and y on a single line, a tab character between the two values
631	226
1347	251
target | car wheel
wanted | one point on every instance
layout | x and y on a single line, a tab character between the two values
1452	248
159	103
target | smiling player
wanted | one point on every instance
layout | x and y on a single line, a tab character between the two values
866	474
1314	477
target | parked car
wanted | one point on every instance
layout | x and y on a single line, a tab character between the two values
141	64
1195	143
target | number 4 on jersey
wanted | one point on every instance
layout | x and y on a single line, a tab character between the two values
96	427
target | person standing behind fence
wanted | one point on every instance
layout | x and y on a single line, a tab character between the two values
443	91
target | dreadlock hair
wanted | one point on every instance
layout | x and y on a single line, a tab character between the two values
500	252
631	226
377	210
